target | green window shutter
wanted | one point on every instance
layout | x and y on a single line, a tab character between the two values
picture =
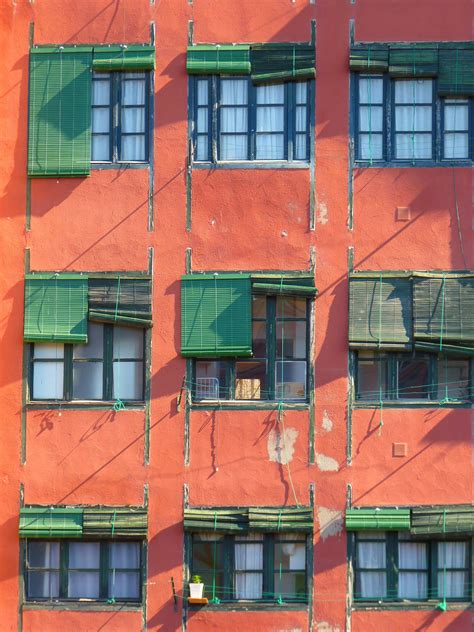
55	308
294	286
59	128
451	519
380	313
131	57
216	315
381	519
456	70
413	61
121	301
280	62
275	519
218	520
50	522
369	58
444	310
214	59
116	521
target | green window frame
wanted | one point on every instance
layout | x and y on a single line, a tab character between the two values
55	575
264	375
215	559
433	569
105	365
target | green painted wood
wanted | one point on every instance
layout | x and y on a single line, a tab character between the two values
282	62
51	522
216	519
115	522
444	309
380	313
433	347
385	519
133	57
59	130
369	58
456	70
413	61
449	519
216	315
122	301
277	519
212	59
244	519
55	308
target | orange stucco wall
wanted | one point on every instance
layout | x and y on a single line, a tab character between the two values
241	219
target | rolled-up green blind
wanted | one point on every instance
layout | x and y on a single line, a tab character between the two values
383	519
413	61
368	58
216	519
115	521
121	301
450	519
456	70
275	519
380	313
210	59
444	309
59	128
243	519
55	308
280	62
216	315
130	57
295	286
50	522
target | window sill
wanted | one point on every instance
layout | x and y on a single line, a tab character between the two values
401	164
246	405
83	606
414	403
81	405
410	605
252	164
238	606
119	165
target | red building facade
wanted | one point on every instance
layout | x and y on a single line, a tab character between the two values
134	455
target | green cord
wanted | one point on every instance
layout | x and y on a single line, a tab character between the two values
214	600
380	363
442	605
369	91
280	600
118	404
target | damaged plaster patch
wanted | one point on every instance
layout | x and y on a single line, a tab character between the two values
322	217
330	522
326	463
281	446
327	422
324	626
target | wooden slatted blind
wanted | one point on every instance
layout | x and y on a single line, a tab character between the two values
50	522
122	301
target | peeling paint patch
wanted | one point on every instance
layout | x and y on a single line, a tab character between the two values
281	446
330	523
326	463
327	422
324	626
322	217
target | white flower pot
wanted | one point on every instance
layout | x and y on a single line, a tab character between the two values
196	591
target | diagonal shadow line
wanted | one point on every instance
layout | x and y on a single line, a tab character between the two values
74	35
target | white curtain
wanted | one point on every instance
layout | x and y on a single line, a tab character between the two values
413	556
233	119
41	583
451	583
372	584
48	377
413	118
270	122
249	557
100	116
133	117
84	564
123	585
456	126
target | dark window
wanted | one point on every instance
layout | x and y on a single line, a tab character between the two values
397	566
253	567
267	122
109	367
278	368
120	113
77	570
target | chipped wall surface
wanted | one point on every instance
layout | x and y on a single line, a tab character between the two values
326	463
331	522
280	445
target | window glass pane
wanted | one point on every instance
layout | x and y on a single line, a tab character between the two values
259	339
370	147
271	93
370	535
50	351
100	148
233	91
371	90
87	378
300	148
250	380
83	585
133	92
128	380
270	119
412	585
48	380
133	120
291	339
301	113
233	148
290	585
290	307
43	554
453	378
101	92
234	120
371	554
370	118
211	380
452	554
372	378
456	117
84	555
202	120
452	584
456	145
270	147
124	585
371	585
133	148
413	119
202	92
124	555
290	380
259	306
95	343
249	557
128	342
301	90
100	120
248	585
43	584
202	148
413	379
413	146
290	555
414	91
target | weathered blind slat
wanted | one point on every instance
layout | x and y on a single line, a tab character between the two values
121	301
210	59
50	522
384	519
131	57
282	62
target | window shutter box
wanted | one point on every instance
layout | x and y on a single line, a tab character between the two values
216	315
456	70
59	127
276	519
383	519
214	59
413	61
131	57
286	285
56	308
449	520
369	58
380	312
218	520
50	522
282	62
116	521
121	301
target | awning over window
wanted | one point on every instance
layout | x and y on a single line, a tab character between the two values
56	308
282	62
413	61
50	522
437	520
121	301
115	521
59	128
216	315
214	59
130	57
383	519
244	519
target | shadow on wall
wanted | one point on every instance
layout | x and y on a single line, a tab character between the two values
462	623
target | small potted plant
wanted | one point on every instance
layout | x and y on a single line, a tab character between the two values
196	587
